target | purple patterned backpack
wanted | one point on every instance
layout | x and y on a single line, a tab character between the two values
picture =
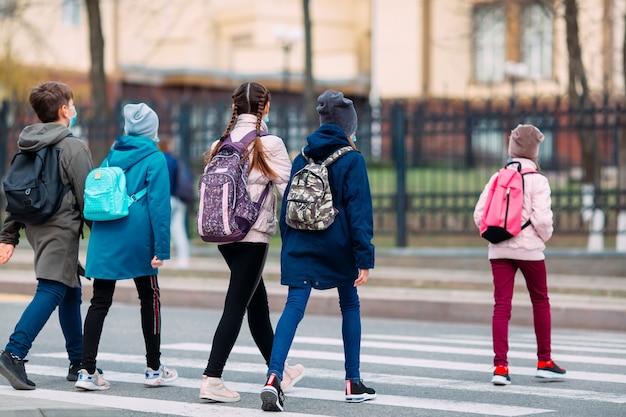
226	212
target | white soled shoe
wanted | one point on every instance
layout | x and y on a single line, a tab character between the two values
213	389
291	375
161	376
91	382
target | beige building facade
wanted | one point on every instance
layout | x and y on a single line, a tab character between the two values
384	49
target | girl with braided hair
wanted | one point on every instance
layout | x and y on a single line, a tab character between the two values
269	162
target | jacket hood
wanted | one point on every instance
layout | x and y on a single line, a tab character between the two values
248	122
40	135
128	150
324	141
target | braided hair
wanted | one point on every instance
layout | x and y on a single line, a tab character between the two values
249	98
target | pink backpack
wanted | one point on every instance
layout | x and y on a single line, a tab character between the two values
502	215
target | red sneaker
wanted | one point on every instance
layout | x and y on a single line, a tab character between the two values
501	376
550	370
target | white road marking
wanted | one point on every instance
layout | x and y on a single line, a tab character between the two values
419	363
191	409
459	350
337	375
556	347
147	405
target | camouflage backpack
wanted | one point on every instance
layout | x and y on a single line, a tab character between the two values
309	199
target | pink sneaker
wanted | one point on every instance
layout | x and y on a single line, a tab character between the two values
291	375
213	389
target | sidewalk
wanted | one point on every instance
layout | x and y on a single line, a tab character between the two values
452	284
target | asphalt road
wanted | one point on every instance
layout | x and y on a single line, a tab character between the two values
418	369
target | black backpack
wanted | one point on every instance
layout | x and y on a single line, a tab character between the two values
33	188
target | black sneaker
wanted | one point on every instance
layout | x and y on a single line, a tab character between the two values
550	371
12	368
357	392
271	395
72	372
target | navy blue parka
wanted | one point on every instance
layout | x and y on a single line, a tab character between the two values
331	258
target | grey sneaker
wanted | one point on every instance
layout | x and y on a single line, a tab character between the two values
161	376
12	368
91	382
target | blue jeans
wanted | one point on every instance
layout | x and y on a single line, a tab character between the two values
293	313
48	296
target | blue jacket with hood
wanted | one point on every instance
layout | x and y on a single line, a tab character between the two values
123	249
331	258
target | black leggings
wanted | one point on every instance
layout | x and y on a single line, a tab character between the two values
150	298
246	292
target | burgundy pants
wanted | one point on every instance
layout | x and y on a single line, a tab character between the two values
503	281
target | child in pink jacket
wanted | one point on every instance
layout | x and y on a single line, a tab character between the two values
526	253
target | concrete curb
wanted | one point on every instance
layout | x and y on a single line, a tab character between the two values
428	304
587	290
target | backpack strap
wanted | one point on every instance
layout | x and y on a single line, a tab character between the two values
137	196
133	197
264	194
523	172
306	158
337	154
244	142
332	157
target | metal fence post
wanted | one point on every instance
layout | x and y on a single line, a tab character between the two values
398	133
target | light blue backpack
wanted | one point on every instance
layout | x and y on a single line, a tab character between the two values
106	197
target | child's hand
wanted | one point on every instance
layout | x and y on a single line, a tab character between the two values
156	262
6	251
362	278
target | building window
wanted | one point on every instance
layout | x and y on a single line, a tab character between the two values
489	144
489	25
7	8
71	12
536	40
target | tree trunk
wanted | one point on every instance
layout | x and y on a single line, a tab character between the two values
99	131
579	98
621	148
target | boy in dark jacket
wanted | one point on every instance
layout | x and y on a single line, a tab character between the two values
55	241
338	257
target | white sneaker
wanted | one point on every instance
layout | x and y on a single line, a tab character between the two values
291	375
91	382
213	389
161	376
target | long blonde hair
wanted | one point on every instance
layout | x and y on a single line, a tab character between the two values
249	98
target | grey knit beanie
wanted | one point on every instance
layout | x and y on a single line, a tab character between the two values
140	120
524	142
334	108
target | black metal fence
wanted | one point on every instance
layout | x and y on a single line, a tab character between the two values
428	160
